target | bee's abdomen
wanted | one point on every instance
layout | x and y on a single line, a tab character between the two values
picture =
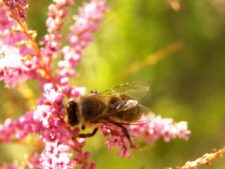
124	108
129	115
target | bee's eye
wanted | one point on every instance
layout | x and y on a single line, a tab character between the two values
72	112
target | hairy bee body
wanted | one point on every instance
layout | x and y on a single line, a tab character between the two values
91	108
96	108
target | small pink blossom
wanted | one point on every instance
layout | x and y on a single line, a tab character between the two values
5	21
52	95
13	69
56	156
9	57
18	7
86	23
43	113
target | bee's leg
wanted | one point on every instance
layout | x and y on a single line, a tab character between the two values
85	135
124	130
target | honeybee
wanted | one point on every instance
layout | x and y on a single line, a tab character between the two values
113	106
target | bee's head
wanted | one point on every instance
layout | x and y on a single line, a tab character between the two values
72	113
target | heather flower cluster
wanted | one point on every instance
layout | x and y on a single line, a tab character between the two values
148	129
22	59
17	8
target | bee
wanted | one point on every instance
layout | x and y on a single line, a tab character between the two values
112	106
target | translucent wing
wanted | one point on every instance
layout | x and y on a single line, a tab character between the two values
118	108
128	105
123	105
117	112
133	89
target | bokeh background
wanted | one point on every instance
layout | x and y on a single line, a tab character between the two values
176	46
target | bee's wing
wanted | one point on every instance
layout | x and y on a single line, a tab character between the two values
135	88
144	109
123	105
119	107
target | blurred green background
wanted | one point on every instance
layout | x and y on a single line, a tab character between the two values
187	85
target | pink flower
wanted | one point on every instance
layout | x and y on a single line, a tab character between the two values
56	156
52	95
10	32
34	161
22	127
148	128
18	7
9	57
14	66
52	40
86	23
5	21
